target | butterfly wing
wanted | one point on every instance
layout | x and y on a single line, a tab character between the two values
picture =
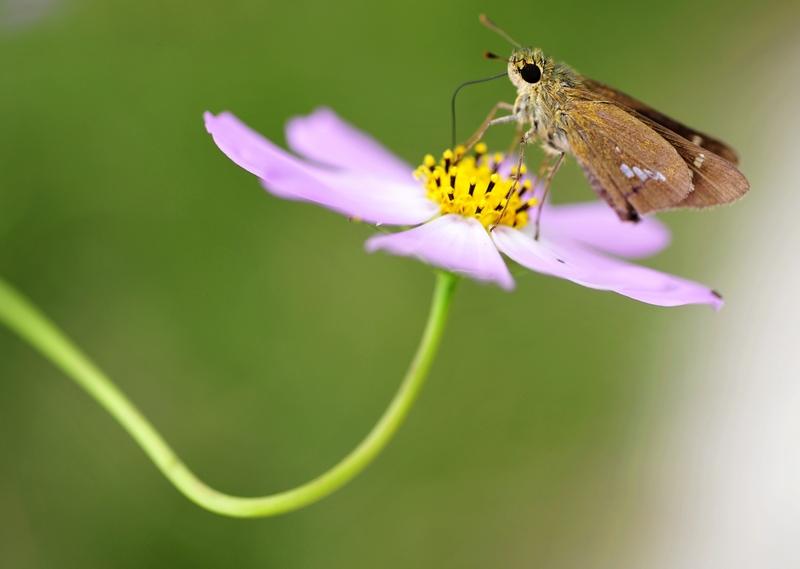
716	181
629	165
697	138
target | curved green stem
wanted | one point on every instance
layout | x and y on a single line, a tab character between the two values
34	327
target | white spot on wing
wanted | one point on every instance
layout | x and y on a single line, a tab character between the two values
698	161
626	170
643	175
639	173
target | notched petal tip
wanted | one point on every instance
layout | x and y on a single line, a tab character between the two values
718	303
567	259
362	194
216	122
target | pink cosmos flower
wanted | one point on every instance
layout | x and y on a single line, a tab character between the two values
450	207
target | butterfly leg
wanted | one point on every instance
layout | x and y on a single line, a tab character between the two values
548	159
552	173
518	172
545	165
515	140
490	121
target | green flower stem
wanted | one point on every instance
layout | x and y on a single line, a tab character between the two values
34	327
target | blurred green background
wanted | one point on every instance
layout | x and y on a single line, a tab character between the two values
262	341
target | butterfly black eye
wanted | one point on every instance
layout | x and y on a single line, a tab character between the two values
531	73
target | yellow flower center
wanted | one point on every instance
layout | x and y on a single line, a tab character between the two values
472	186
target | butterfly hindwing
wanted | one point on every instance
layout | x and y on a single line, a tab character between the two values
697	138
716	181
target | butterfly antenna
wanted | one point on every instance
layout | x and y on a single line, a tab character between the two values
453	102
494	27
490	55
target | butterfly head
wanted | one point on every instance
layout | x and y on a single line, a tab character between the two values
528	68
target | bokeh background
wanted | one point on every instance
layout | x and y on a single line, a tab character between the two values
560	427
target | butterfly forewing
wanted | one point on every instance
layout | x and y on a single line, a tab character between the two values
633	168
697	138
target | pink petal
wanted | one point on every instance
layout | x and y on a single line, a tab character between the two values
324	137
566	259
596	224
366	196
452	242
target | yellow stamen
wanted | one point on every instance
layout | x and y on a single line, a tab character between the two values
473	187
